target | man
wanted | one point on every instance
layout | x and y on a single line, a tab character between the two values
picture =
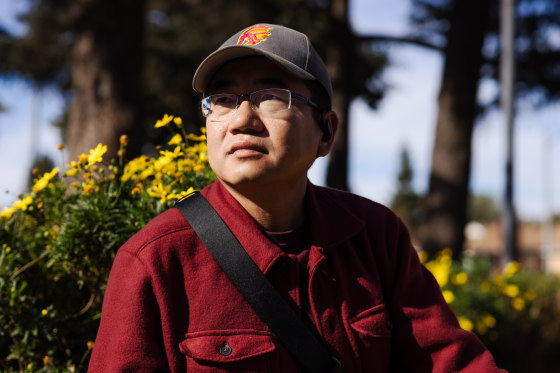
344	263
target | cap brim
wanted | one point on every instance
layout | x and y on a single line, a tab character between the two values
213	62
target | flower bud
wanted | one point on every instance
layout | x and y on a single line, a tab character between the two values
124	140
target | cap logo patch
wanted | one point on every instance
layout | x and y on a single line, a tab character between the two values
254	35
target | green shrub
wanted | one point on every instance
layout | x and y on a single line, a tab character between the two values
59	241
516	313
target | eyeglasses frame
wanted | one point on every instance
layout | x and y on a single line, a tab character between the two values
239	100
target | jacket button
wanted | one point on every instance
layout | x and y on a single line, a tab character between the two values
225	350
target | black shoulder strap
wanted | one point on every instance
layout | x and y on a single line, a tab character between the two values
255	287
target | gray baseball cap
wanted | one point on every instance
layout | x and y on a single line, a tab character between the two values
290	49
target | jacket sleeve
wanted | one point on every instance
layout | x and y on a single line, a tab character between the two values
426	334
129	337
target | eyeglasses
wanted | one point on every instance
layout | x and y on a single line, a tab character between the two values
265	101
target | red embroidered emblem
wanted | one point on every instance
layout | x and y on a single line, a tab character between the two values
254	35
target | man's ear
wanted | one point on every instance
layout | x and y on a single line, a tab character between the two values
329	127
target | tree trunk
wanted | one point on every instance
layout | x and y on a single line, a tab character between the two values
106	64
339	57
444	208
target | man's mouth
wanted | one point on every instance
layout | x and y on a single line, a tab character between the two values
247	149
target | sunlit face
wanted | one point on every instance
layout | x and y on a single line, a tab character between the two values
250	147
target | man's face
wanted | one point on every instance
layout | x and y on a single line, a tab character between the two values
249	147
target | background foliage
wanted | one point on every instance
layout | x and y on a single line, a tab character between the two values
59	241
515	312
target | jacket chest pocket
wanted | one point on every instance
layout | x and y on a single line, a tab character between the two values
229	351
372	333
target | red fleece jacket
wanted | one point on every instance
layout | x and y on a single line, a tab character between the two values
169	307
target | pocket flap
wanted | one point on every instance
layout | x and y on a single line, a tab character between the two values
226	345
373	322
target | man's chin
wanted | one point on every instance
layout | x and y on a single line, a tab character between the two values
247	180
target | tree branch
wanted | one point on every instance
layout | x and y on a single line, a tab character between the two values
414	40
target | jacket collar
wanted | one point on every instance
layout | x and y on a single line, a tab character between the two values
331	223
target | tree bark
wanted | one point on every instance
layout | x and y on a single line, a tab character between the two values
106	65
339	57
444	208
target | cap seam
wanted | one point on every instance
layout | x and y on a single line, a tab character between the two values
308	54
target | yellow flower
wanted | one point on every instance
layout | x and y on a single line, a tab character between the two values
134	166
7	213
123	140
178	121
90	345
135	191
518	304
83	158
481	328
159	191
23	203
171	155
182	194
44	312
71	172
440	271
60	147
42	183
488	320
88	188
96	154
510	269
423	256
530	295
147	173
199	167
74	164
485	286
176	140
460	278
164	121
445	253
194	137
465	323
46	360
511	291
448	296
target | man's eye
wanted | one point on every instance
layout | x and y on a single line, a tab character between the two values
270	96
224	100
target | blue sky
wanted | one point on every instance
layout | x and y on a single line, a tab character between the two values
406	117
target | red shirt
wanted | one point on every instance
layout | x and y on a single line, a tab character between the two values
169	307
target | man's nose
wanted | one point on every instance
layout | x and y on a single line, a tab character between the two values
245	118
